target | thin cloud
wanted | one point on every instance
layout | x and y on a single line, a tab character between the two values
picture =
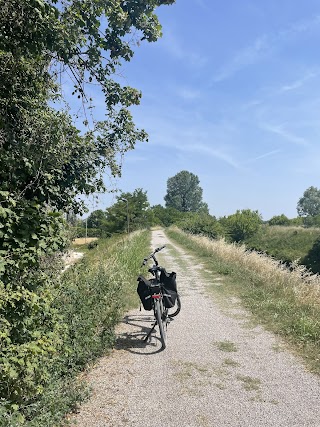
188	93
247	56
263	156
264	46
279	130
298	83
178	50
218	154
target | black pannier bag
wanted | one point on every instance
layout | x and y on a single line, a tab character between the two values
144	293
169	288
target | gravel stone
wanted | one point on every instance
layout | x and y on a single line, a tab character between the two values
215	372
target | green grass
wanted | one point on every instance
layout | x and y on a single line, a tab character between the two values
249	383
288	244
227	346
91	298
286	302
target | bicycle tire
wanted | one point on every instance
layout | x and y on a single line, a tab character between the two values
158	312
177	307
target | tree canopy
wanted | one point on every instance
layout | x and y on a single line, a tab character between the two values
48	157
242	224
184	193
309	203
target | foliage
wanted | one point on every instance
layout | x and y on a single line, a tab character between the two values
288	244
133	206
89	232
309	203
47	160
204	224
97	219
184	193
241	225
87	304
166	216
279	220
312	221
312	258
298	221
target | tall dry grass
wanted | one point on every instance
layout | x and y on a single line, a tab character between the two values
296	278
285	299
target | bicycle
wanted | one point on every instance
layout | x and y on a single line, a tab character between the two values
160	295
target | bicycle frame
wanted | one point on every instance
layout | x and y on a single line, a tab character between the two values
160	312
162	315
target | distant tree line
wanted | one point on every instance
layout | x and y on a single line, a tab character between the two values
185	208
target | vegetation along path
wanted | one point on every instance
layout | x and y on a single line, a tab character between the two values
218	368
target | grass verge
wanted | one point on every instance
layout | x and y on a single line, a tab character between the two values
286	301
90	299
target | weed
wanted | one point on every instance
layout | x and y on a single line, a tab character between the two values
227	346
249	383
231	362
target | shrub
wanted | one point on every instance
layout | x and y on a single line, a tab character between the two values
241	225
279	220
204	224
93	244
64	327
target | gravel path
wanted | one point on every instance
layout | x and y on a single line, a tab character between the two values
216	371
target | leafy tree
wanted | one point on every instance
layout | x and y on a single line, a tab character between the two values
47	159
201	223
298	221
279	220
97	219
136	206
241	225
309	203
166	216
312	221
184	193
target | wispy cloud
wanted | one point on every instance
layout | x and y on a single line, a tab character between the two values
244	57
178	50
264	46
300	82
263	156
212	152
188	93
287	135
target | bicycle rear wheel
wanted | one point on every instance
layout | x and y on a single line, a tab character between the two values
176	309
162	322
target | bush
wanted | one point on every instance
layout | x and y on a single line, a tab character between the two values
279	220
241	225
70	324
93	244
311	221
204	224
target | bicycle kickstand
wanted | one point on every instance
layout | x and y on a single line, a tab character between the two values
150	332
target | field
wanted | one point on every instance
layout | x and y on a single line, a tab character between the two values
289	244
84	240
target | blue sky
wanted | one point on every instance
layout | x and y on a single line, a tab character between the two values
231	93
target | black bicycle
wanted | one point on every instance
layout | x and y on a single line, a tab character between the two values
160	295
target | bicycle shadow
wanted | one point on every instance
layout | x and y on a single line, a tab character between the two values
134	342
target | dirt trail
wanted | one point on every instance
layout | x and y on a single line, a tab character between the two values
216	371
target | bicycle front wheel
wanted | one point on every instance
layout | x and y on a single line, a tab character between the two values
162	322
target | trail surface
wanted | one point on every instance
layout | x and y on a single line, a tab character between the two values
217	371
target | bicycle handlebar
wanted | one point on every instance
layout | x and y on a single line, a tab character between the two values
152	255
